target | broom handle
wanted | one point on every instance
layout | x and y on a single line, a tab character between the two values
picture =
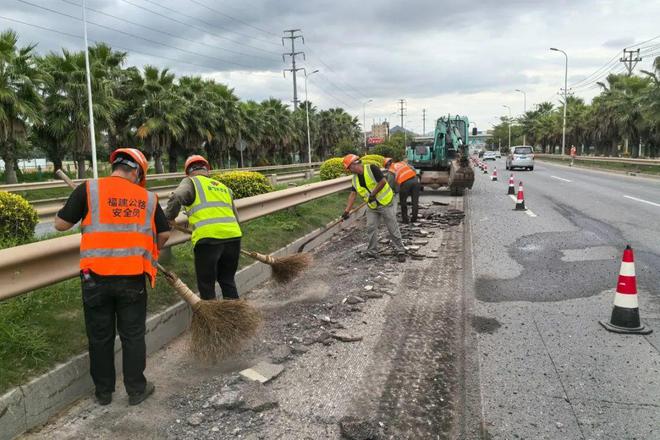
331	225
179	287
266	259
67	180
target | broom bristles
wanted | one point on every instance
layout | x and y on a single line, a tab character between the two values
286	268
221	327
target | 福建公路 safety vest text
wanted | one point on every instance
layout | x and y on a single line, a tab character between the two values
211	215
402	172
384	196
119	229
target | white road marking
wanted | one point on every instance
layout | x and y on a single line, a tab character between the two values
514	198
642	200
530	213
561	178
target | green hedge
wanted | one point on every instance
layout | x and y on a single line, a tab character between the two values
332	168
244	183
375	159
17	220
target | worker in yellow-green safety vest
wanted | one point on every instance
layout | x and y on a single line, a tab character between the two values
370	184
216	233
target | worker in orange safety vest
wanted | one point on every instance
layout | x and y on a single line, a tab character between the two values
123	227
406	183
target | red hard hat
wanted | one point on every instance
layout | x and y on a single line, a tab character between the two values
137	157
349	159
196	158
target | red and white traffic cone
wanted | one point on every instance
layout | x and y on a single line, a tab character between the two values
485	168
520	202
512	188
625	314
493	177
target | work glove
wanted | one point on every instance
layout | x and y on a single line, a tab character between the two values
345	215
372	198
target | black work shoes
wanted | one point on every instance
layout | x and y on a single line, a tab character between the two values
135	399
103	399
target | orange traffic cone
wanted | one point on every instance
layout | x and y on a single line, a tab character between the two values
625	314
520	202
493	177
485	168
512	188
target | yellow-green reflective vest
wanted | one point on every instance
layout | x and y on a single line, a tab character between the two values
211	214
384	196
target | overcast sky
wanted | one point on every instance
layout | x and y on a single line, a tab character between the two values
445	56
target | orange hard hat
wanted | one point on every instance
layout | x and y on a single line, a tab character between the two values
386	161
196	158
349	159
124	155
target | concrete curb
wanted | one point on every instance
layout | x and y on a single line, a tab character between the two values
32	404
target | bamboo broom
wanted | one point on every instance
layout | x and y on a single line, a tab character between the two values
217	327
284	269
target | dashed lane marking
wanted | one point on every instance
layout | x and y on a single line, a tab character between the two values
513	197
561	178
642	201
530	213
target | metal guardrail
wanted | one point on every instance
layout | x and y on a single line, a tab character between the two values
602	159
47	208
31	266
17	187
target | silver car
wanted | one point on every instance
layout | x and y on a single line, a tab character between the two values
520	157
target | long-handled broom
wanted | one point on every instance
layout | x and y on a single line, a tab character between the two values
284	269
218	327
328	227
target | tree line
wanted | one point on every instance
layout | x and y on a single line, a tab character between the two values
623	120
44	110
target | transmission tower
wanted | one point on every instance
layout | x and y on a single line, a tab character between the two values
402	102
423	122
293	35
629	61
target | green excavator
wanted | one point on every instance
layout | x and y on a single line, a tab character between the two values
442	160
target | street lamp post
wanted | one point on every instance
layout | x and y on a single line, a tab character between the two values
309	138
509	124
524	112
364	122
92	136
563	134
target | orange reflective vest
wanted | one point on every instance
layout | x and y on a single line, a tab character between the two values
402	172
119	229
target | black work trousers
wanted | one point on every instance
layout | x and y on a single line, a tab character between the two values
412	188
121	303
217	261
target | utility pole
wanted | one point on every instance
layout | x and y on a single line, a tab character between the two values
563	132
364	122
294	34
90	106
630	62
402	109
524	113
423	122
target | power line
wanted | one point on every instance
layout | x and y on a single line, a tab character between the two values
333	71
348	95
133	35
79	37
195	27
234	19
328	94
630	62
166	33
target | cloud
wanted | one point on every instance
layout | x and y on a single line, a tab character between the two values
442	55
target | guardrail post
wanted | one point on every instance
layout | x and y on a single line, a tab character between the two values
309	174
273	179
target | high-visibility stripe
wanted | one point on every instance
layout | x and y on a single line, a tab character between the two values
627	269
626	301
205	205
121	227
117	252
210	221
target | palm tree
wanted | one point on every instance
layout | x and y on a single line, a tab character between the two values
160	117
227	125
68	100
20	101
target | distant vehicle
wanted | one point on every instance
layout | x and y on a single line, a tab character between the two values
481	153
490	155
520	157
498	155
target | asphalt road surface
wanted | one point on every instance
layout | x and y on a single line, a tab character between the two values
542	280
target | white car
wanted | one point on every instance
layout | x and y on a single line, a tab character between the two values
489	155
498	155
